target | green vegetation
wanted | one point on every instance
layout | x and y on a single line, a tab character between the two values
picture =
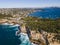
4	16
48	25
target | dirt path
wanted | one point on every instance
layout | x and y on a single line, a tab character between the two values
54	44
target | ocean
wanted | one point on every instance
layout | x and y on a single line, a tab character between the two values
51	12
8	35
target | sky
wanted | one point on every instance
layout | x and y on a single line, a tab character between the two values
29	3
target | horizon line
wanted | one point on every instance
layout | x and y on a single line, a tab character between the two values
31	7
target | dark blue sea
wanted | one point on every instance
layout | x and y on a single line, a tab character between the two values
8	36
52	12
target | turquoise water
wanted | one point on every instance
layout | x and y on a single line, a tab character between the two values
24	39
8	36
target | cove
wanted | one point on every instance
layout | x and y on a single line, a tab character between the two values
8	35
